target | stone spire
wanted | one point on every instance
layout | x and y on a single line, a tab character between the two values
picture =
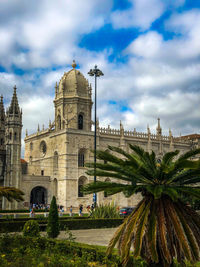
121	129
14	106
122	141
56	90
149	143
2	111
171	146
159	129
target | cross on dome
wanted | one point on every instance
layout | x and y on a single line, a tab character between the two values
74	64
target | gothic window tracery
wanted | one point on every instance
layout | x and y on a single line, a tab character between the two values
81	158
31	146
55	160
59	122
15	136
43	148
81	182
80	122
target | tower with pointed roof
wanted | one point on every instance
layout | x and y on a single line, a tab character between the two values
13	128
2	144
73	102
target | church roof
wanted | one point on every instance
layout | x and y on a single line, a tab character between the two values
191	136
73	83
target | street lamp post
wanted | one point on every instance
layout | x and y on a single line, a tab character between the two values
96	73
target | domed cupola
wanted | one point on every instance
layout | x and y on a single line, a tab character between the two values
73	101
73	83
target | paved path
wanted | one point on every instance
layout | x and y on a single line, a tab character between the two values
99	237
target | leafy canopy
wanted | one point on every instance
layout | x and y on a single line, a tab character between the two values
162	227
141	172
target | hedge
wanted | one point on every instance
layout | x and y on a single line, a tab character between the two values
38	247
20	211
39	218
17	225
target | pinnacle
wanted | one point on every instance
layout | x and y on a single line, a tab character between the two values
74	64
14	106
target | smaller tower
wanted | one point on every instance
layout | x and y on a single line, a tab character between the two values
159	129
13	127
2	142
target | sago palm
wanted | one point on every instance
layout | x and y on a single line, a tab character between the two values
161	227
11	193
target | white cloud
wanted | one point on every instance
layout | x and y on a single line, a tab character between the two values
141	14
159	79
146	45
48	31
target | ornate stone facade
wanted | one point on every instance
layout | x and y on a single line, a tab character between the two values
55	157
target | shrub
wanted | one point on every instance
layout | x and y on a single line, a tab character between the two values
53	221
31	228
105	211
17	226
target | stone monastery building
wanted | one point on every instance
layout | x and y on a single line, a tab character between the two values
55	157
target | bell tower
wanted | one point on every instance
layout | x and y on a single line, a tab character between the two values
73	103
13	127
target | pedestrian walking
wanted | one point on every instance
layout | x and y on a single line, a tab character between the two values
80	210
70	211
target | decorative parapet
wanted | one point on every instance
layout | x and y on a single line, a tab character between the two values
39	132
140	135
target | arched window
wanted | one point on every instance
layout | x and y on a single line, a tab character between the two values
59	122
55	161
10	136
15	136
30	159
81	182
105	193
31	146
81	158
80	122
2	141
43	148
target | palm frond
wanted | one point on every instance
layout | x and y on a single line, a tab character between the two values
152	232
168	157
125	243
189	234
11	193
141	227
181	238
99	186
190	191
189	154
162	232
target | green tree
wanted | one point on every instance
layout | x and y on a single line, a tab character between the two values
53	220
162	227
31	228
11	193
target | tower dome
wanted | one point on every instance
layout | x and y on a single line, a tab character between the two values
73	83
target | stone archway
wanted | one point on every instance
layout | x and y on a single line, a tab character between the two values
38	195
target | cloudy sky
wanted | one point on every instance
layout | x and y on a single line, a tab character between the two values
149	51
